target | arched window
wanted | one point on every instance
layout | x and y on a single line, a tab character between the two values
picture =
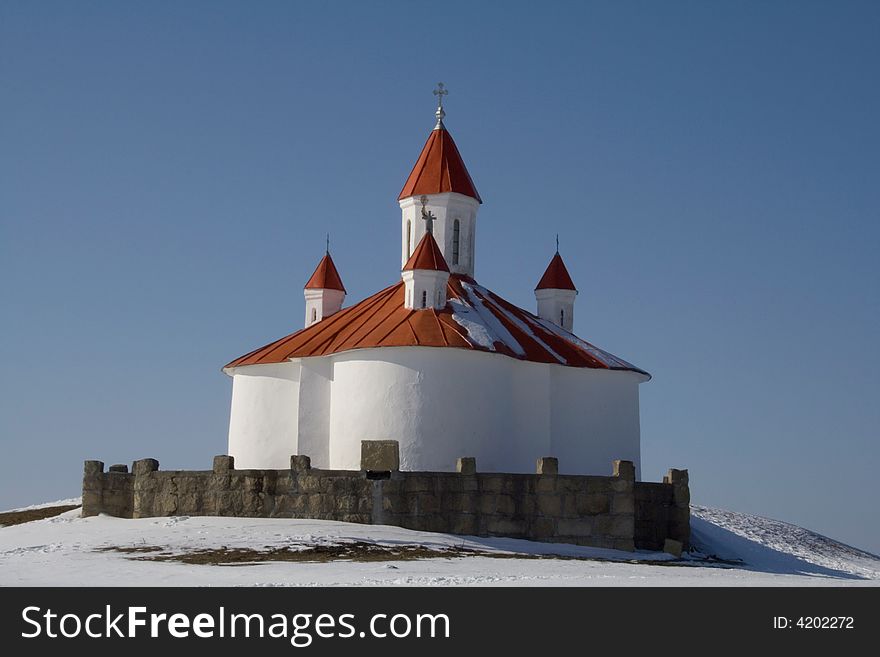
456	240
562	317
314	314
408	238
424	298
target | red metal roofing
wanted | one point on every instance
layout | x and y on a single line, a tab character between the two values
556	276
439	169
427	256
325	277
474	318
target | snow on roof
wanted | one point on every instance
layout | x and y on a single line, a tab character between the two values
475	318
325	277
439	169
427	256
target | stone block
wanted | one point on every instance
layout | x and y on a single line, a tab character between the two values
505	504
600	484
602	525
119	467
491	483
593	503
623	503
569	505
546	485
223	463
575	527
621	485
624	470
92	468
549	505
380	455
300	463
463	503
548	465
622	527
310	483
487	504
506	526
673	547
466	465
543	528
144	466
417	483
676	477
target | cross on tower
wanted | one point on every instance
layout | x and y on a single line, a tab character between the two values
427	216
440	91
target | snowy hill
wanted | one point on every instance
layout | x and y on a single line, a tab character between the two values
731	549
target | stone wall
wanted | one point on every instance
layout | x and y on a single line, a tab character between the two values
609	512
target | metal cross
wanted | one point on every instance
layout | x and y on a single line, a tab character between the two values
440	91
427	216
328	244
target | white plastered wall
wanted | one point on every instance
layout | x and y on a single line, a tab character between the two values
439	403
446	208
263	420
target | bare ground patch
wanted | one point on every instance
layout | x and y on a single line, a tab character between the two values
354	551
18	517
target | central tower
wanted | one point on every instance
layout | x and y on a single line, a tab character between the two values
440	183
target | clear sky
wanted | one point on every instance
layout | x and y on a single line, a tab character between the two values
168	171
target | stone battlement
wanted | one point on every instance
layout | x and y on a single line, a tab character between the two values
601	511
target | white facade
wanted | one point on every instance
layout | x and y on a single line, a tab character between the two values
557	306
455	225
440	404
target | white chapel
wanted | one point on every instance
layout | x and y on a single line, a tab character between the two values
436	361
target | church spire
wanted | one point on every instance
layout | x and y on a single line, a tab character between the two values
439	197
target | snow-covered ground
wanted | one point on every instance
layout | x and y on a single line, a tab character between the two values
69	551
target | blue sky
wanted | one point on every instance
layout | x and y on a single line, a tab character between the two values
168	172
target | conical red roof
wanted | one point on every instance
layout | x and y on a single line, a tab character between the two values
439	169
325	277
556	277
427	256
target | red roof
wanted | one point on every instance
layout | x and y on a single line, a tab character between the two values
556	277
427	256
439	169
474	318
325	277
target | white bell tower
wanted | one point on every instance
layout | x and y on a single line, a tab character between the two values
440	184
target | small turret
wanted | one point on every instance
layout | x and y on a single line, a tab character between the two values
324	292
555	294
425	276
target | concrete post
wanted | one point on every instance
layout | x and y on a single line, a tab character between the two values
548	465
300	463
466	465
380	455
223	464
92	488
